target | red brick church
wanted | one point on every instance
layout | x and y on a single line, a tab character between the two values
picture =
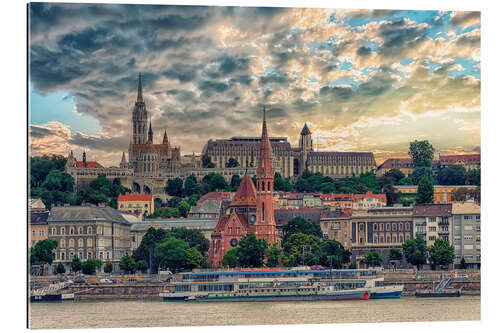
251	210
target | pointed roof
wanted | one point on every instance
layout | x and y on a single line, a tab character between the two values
246	194
124	159
165	138
264	165
139	90
305	130
150	134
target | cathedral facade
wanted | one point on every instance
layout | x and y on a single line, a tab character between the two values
251	210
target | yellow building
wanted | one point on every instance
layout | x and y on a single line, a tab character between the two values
136	204
442	193
38	228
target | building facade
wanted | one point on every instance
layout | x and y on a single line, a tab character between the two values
380	229
466	233
136	204
443	194
469	162
89	232
432	221
336	225
38	228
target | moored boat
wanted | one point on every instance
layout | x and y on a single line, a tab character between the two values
379	290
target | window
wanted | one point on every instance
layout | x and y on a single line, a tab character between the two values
53	231
71	255
468	237
80	230
33	233
80	255
41	233
401	238
100	255
99	230
432	228
89	255
63	243
375	239
388	239
478	228
107	254
89	230
375	226
80	242
63	231
400	226
89	242
468	247
71	231
262	211
71	242
381	227
407	226
63	254
432	219
432	238
387	227
121	205
145	205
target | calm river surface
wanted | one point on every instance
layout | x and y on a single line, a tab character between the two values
140	313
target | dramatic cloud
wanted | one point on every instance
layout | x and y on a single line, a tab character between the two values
364	80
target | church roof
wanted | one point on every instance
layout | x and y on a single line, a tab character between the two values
246	194
264	165
223	221
90	164
305	130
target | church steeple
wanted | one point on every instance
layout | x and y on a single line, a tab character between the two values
139	90
84	159
123	162
264	166
165	138
150	134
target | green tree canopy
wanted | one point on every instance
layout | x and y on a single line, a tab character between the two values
372	258
172	254
474	177
213	182
183	208
300	225
281	184
60	268
391	194
425	191
452	175
251	251
174	187
333	254
235	182
273	255
395	254
108	267
441	252
141	265
41	166
422	153
43	251
76	264
191	186
302	249
231	258
151	239
419	173
232	163
206	161
415	251
194	258
91	265
193	237
395	174
127	263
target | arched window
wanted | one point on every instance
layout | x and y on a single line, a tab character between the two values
407	226
400	226
62	243
89	242
401	238
394	239
53	231
381	227
63	231
375	226
375	239
388	239
80	230
89	230
63	255
388	227
71	231
407	236
71	242
99	230
263	212
89	255
80	242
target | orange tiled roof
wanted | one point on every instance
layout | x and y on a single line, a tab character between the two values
246	194
135	197
468	159
90	164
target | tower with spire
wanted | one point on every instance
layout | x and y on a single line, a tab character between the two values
265	225
139	117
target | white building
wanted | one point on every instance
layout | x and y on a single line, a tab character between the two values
466	233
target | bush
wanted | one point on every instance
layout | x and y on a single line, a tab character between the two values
60	269
108	267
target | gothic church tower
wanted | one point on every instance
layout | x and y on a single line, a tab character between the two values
265	225
140	117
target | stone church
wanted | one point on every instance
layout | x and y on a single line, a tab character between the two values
251	210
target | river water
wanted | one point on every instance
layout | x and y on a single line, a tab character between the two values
149	313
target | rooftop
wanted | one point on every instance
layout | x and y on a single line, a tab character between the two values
85	213
467	207
432	210
135	197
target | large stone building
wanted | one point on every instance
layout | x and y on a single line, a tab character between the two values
432	221
466	233
89	232
290	161
251	210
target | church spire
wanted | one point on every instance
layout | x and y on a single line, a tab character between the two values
139	90
264	167
123	162
165	138
150	134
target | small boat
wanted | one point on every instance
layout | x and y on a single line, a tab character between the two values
52	293
379	290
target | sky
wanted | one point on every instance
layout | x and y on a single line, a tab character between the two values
363	80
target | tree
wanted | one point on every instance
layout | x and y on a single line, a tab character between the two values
422	153
41	166
302	249
57	180
395	174
372	258
213	182
183	208
251	251
425	191
206	162
43	251
127	263
194	238
419	173
235	182
172	254
300	225
60	268
281	184
463	263
474	177
174	187
333	254
395	254
441	252
353	265
452	175
108	267
194	258
231	258
191	186
391	194
141	265
90	265
146	250
76	264
415	251
273	255
232	163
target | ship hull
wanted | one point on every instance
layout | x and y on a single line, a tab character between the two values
51	298
345	296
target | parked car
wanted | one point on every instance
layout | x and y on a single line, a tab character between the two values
462	276
58	281
80	280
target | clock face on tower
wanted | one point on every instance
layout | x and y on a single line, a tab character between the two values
234	242
252	219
